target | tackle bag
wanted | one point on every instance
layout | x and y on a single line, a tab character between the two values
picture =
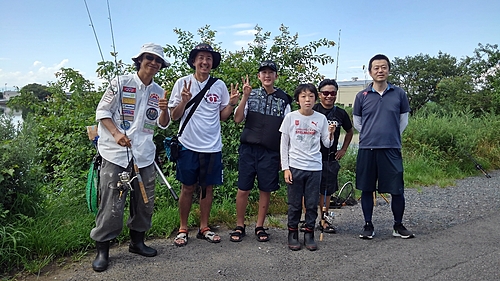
92	190
172	148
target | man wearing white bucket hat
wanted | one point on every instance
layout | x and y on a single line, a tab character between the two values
200	161
130	109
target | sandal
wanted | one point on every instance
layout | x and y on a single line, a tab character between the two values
237	234
208	235
262	235
328	229
182	238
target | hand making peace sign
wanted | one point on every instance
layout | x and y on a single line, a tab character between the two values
234	94
186	91
247	89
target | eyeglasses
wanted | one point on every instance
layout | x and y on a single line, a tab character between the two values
153	58
329	93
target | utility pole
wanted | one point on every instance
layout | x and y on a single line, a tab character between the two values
338	51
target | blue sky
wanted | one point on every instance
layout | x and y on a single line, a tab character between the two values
39	37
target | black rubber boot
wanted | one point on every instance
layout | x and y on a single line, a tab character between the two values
102	259
309	240
293	239
137	245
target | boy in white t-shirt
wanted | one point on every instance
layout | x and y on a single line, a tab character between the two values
301	133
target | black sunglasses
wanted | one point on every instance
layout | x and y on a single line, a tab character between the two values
329	93
153	58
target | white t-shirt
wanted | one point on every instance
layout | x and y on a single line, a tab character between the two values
203	131
300	137
134	110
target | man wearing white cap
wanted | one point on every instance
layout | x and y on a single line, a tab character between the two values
130	109
200	160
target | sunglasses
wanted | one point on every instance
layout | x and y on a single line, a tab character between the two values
329	93
153	58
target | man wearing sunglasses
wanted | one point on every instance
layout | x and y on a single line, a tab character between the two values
328	89
200	161
130	109
380	114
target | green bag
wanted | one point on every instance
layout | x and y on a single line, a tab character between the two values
92	191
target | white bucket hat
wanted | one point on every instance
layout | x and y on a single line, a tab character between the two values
152	49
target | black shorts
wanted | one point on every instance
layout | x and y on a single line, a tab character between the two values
382	166
329	177
257	161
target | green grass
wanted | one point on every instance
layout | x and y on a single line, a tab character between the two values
435	147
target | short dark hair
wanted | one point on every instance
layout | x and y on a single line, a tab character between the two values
379	57
304	87
137	62
326	82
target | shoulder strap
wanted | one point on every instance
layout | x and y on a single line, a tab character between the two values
195	102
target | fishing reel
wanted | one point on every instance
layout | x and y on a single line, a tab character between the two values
125	181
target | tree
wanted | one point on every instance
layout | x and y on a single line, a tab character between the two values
478	89
420	75
39	91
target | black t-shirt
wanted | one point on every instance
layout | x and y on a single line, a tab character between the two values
342	118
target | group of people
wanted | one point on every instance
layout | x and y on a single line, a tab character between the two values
303	143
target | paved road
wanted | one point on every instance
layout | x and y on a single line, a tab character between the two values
464	252
466	249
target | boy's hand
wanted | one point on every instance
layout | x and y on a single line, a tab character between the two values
288	177
247	89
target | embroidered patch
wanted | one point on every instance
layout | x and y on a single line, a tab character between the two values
128	100
125	125
151	113
153	99
129	89
128	95
149	128
128	106
128	112
108	96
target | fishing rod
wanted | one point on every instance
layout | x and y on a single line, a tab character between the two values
476	164
129	151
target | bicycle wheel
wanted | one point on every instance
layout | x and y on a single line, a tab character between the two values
345	193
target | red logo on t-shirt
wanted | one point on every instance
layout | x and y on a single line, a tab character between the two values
212	98
296	122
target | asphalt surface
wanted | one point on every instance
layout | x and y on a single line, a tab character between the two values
464	249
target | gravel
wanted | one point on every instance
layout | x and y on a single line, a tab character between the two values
430	213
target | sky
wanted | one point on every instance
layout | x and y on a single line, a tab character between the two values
38	37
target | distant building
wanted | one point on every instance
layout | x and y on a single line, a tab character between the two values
9	94
348	90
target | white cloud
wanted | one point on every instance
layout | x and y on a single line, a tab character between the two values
239	25
242	43
246	32
309	34
40	74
